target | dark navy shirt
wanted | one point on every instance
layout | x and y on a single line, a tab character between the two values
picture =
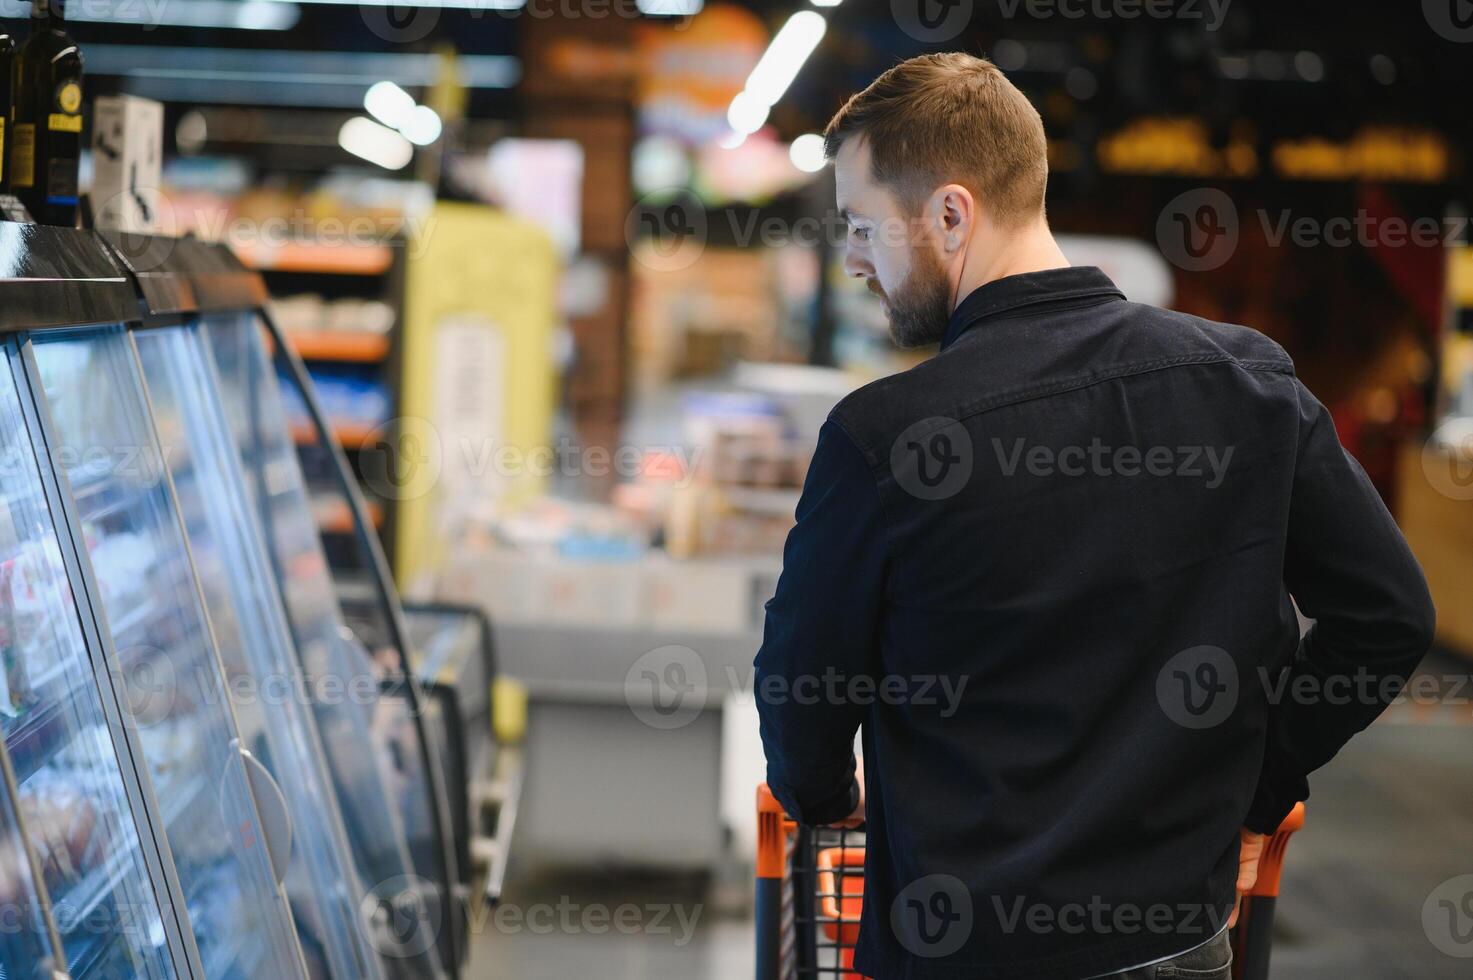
1048	573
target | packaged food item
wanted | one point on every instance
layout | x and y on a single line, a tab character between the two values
61	823
12	875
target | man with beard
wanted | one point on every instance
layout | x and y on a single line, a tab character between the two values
1016	521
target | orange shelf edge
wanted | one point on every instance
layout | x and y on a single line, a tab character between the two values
350	435
340	345
339	519
339	259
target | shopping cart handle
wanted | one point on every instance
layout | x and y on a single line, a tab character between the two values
1271	862
773	830
1253	936
772	827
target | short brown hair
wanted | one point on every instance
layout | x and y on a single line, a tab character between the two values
943	118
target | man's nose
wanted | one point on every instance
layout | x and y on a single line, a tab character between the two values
857	265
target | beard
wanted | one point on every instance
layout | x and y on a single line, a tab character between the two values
920	307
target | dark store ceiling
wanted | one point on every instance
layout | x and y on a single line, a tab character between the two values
1092	65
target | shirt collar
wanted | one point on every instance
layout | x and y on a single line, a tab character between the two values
1002	296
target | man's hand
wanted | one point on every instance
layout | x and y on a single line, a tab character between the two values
1250	849
856	818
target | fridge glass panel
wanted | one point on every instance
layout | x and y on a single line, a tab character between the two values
165	653
359	602
267	686
70	781
333	658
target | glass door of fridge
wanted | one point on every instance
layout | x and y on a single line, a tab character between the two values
160	642
355	571
373	784
71	784
268	688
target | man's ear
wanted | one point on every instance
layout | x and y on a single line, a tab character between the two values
956	216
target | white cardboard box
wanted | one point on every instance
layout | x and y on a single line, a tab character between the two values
127	155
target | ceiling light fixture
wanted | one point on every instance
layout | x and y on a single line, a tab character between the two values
377	144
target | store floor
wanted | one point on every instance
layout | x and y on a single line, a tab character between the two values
1390	820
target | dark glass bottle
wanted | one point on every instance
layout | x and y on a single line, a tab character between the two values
46	138
7	92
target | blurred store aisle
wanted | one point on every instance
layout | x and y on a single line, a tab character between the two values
560	927
1390	820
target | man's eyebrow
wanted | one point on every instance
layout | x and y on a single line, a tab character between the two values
849	214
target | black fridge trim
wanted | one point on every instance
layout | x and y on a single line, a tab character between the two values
179	277
59	277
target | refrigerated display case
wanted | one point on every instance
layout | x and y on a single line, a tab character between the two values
207	288
395	846
70	795
182	283
374	614
101	891
444	706
160	638
157	551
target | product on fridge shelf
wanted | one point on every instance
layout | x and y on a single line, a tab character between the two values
33	659
61	822
13	876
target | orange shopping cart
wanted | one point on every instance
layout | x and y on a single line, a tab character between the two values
810	890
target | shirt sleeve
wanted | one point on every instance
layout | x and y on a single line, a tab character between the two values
1349	568
821	634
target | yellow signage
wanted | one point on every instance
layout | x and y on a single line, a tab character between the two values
478	385
1374	153
1181	147
1178	148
